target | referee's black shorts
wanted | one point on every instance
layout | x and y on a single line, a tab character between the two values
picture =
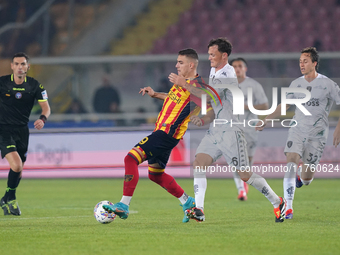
14	138
157	147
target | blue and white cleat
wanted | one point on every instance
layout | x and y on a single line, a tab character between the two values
298	182
189	204
289	214
120	209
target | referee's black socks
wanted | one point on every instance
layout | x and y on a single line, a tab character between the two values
12	184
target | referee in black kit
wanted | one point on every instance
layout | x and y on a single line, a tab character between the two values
17	95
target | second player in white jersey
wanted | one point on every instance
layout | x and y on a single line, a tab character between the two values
260	102
324	92
307	137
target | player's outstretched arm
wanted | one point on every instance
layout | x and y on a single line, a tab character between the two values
336	135
182	82
152	93
209	117
273	115
45	113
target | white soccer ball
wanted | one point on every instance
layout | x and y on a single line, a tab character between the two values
101	215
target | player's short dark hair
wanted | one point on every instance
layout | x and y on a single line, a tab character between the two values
223	44
190	53
238	59
314	55
20	55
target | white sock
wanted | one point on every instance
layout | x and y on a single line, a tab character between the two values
289	184
200	186
238	182
306	182
126	200
289	204
184	198
299	171
261	185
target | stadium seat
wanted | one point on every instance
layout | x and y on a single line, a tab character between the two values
220	17
186	17
199	5
173	31
270	16
237	17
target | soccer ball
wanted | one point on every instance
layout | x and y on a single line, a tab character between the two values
101	215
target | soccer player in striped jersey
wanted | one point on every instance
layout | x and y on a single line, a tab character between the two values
171	124
260	102
306	140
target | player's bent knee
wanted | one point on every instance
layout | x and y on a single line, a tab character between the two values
244	175
155	173
293	157
306	182
135	154
16	168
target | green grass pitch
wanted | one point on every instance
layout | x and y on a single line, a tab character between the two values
57	218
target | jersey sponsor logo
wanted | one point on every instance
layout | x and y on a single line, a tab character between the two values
174	97
312	102
18	95
44	94
309	88
19	89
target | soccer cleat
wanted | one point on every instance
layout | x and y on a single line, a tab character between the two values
120	209
242	196
289	214
5	207
196	214
14	207
246	187
189	204
298	182
280	211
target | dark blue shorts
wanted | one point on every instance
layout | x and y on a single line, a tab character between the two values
158	147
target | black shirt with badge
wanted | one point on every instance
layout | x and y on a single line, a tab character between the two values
16	101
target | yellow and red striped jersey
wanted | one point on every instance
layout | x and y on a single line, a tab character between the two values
174	117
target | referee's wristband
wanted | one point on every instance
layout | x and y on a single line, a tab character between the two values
202	122
43	118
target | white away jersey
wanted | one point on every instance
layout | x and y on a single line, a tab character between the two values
259	97
226	75
324	92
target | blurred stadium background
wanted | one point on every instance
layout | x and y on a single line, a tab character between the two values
77	46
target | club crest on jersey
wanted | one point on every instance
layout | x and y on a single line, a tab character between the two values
18	95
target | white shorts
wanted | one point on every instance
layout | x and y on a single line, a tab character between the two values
251	139
310	149
230	144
